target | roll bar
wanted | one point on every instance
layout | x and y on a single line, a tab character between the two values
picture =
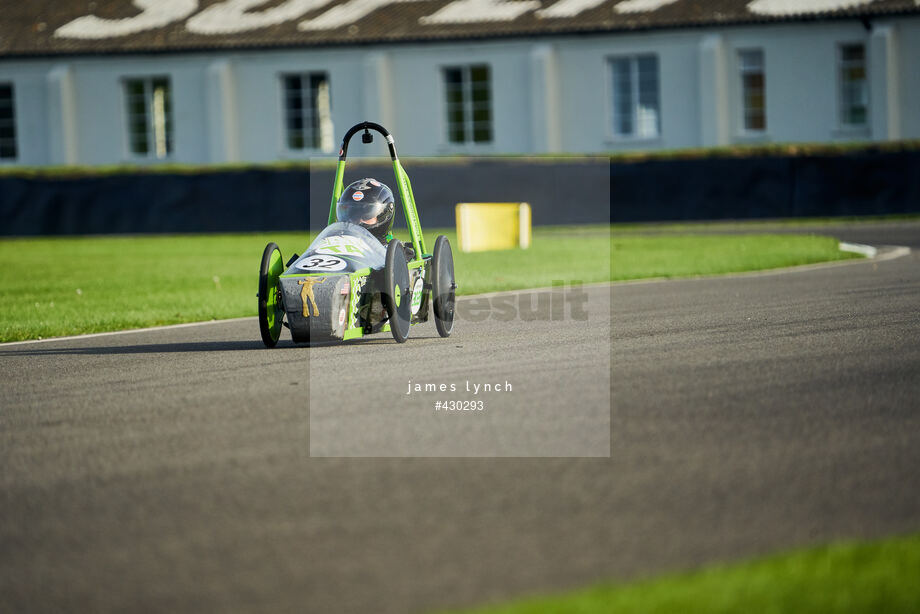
403	185
367	137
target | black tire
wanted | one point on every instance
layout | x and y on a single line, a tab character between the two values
271	309
443	286
395	292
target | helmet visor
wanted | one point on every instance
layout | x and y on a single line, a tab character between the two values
365	213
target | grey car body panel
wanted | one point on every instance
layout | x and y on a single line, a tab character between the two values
341	248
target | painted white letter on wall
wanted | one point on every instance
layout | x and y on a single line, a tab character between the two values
155	14
231	16
472	11
568	8
797	7
345	14
641	6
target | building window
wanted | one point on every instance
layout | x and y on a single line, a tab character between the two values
753	94
7	123
307	111
854	92
636	106
150	126
469	104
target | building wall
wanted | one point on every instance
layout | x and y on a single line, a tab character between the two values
908	35
101	112
30	100
550	94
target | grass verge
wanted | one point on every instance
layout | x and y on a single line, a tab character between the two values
843	578
766	225
66	286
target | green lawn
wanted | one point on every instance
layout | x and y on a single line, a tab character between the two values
637	257
843	578
828	224
64	286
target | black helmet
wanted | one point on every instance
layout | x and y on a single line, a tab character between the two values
369	203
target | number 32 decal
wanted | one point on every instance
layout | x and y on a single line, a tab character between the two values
321	263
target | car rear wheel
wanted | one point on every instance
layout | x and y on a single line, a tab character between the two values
443	286
396	292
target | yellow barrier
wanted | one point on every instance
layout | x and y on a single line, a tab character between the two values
487	226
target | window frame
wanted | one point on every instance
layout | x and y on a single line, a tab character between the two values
15	133
469	123
740	72
308	148
610	112
169	129
840	66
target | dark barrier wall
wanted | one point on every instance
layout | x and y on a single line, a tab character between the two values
572	191
154	202
863	183
569	192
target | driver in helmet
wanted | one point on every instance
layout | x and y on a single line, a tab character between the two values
369	203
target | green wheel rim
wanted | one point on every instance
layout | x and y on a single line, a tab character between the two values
271	309
274	309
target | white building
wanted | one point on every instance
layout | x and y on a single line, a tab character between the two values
233	80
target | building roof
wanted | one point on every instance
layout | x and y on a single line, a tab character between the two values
66	27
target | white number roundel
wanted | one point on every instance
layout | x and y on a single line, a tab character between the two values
321	263
417	295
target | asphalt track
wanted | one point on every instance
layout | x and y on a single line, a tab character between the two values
169	470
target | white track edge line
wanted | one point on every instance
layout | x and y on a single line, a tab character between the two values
858	248
896	251
125	332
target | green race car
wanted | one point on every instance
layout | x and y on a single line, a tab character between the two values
350	283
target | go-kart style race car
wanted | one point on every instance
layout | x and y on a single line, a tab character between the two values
348	283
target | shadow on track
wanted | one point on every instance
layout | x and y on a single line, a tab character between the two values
384	339
193	346
150	348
